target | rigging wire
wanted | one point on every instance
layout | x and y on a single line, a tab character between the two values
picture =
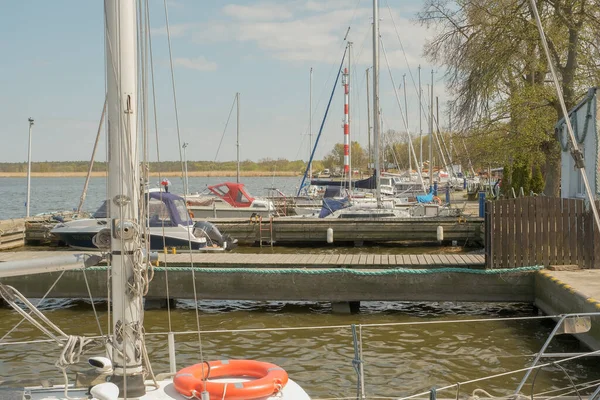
225	129
423	99
405	122
196	307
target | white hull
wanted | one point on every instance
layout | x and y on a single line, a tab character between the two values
227	212
166	391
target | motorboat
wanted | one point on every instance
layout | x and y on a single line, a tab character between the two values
169	223
228	200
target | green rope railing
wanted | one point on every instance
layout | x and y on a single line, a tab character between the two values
350	271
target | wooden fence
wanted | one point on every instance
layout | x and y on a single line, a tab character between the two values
540	231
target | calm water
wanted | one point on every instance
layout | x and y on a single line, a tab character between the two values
399	360
57	194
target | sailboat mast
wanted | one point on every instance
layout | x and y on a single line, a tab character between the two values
406	112
368	122
124	195
420	122
346	84
237	101
376	126
431	134
28	170
310	131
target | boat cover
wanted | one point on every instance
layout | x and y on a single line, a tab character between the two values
233	193
367	183
332	204
425	198
175	206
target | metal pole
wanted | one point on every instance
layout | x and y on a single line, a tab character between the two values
376	126
186	188
431	134
349	138
368	122
310	132
123	185
420	122
406	113
238	136
91	166
29	170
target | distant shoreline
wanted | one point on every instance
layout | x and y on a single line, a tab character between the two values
153	174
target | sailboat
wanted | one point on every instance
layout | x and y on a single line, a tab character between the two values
229	199
122	370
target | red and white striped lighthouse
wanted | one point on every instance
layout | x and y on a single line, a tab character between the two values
346	83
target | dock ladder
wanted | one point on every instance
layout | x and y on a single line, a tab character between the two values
266	228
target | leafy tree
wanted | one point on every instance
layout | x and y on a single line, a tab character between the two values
335	158
498	73
537	181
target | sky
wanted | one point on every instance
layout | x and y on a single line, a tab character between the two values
52	69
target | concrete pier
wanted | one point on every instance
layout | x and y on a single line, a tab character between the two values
567	292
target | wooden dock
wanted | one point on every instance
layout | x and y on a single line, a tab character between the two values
241	260
363	261
314	230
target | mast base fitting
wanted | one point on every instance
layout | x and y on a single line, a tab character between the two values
135	385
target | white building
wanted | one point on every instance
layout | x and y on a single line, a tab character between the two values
586	125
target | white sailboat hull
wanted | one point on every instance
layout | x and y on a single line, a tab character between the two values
166	391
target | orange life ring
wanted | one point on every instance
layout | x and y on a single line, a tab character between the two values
437	200
191	215
193	380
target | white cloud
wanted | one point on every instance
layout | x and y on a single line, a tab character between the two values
258	12
289	32
176	30
199	63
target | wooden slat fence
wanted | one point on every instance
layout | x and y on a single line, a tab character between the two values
540	231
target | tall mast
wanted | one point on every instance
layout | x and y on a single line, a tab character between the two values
310	132
346	84
376	126
237	101
431	134
406	112
123	193
368	122
420	122
28	170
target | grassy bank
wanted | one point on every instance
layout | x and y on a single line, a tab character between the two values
154	174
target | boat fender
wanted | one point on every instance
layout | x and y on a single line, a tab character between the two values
329	235
440	233
105	391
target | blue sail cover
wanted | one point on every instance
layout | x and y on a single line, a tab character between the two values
426	198
332	204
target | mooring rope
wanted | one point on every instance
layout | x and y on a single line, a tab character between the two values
350	271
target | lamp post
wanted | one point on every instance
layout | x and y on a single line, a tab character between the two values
29	170
185	178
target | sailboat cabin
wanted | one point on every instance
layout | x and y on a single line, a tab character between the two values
584	119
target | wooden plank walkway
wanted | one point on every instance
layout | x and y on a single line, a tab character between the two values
241	260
